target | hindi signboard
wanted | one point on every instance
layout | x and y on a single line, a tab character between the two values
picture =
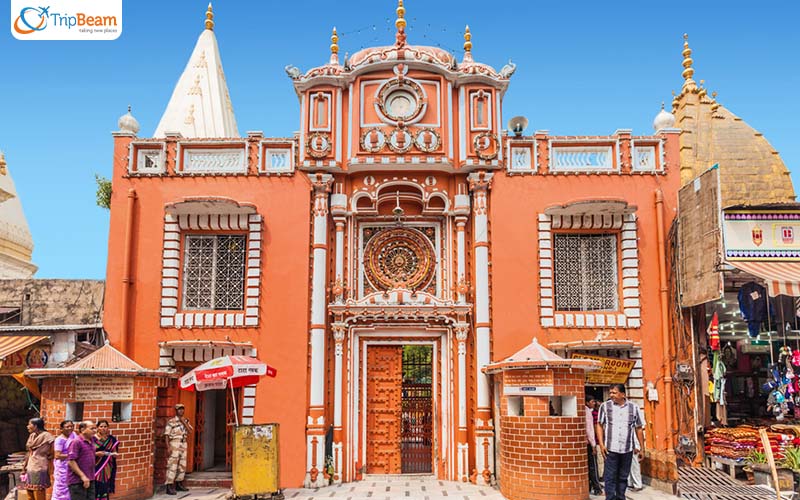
612	370
104	389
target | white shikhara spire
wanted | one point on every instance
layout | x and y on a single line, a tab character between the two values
200	105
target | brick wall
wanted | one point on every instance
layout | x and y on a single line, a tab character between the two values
543	457
135	462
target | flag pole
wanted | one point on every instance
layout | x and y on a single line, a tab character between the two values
233	397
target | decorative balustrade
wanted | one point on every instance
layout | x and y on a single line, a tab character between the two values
214	161
256	156
576	158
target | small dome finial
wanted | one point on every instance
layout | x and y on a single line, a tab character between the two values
663	119
714	103
210	18
400	23
334	47
688	71
127	123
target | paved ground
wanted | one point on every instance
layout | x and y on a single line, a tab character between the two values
395	487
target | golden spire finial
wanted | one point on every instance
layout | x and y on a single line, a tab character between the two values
400	23
688	71
334	47
674	101
467	45
334	42
702	92
210	18
714	103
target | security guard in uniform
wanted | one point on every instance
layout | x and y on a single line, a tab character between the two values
176	434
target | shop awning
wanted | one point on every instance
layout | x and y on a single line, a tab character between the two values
11	344
783	278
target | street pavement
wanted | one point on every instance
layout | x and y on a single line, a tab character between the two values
394	487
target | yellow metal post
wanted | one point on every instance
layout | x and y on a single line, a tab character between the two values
256	463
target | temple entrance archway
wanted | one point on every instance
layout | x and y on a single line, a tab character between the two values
402	389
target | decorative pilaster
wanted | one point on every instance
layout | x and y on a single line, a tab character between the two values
339	331
479	184
315	429
462	330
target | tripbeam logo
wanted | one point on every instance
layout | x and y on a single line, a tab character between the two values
66	20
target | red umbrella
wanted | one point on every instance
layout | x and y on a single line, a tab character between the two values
227	371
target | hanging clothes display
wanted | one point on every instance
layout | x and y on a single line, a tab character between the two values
718	392
713	333
753	304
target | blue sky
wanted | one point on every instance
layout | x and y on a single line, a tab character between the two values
582	68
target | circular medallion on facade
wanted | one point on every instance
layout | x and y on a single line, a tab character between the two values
400	100
373	140
485	145
400	141
427	140
399	258
318	144
430	180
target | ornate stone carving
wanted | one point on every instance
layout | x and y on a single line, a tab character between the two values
373	140
486	145
479	184
427	140
339	330
399	258
321	184
318	144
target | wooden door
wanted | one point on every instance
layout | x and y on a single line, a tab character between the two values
384	398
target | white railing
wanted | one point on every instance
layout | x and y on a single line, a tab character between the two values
222	161
580	158
521	158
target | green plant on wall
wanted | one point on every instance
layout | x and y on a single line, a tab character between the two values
103	191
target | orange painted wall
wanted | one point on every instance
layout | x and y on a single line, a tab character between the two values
516	202
282	335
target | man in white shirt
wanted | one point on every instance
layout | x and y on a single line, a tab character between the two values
619	425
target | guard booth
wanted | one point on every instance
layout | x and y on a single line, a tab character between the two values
256	463
539	406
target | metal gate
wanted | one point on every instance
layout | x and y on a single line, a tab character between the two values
417	410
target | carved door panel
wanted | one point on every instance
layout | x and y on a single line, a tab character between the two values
384	398
199	430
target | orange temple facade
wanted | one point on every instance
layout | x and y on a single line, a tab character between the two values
382	257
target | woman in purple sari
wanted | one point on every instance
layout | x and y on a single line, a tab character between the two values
105	464
61	462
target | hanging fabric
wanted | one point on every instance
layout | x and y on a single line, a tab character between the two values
753	305
713	333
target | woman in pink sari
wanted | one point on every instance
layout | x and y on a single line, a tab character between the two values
61	462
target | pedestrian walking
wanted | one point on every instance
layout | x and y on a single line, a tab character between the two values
619	424
591	447
176	434
36	466
61	460
635	478
81	463
105	465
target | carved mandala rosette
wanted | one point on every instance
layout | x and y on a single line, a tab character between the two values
373	140
318	144
486	145
427	140
400	258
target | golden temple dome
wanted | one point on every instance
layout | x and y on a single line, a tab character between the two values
751	170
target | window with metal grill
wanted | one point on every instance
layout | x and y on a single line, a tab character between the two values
214	272
585	272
